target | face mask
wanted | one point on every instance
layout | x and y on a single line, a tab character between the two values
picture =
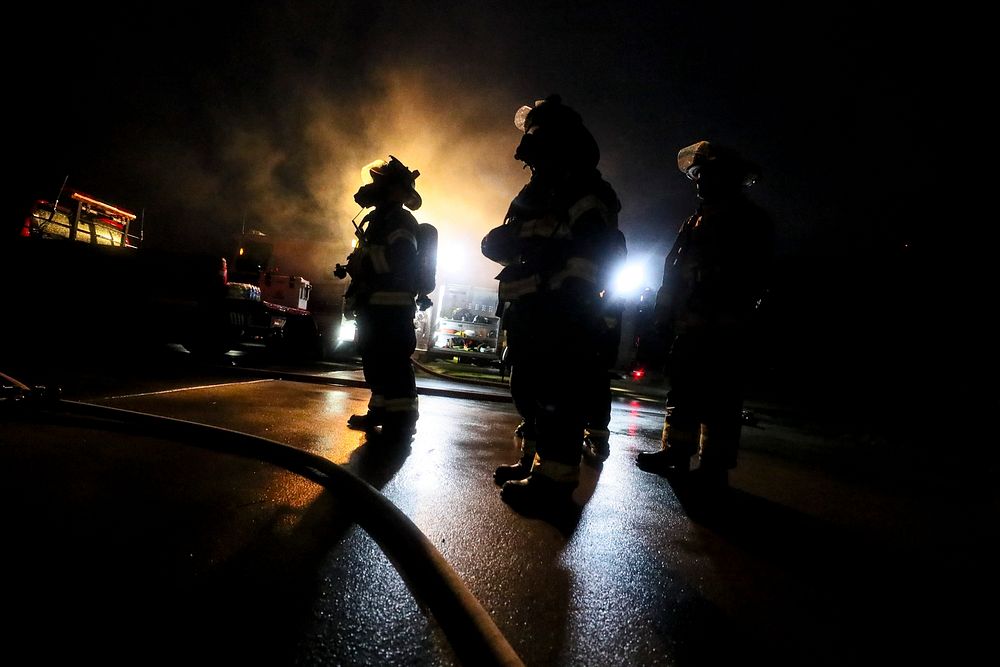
528	150
367	195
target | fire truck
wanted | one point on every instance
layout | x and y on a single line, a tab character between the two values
467	328
86	280
87	220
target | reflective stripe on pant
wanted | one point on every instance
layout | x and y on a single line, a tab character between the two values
386	341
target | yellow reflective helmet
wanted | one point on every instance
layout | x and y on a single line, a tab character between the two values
691	158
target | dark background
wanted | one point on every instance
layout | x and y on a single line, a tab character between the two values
209	118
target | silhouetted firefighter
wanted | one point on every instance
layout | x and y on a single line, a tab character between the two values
385	274
556	244
713	279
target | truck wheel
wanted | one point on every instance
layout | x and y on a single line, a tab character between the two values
214	335
207	346
301	340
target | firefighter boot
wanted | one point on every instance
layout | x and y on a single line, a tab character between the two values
522	468
537	493
678	444
717	456
515	471
399	426
366	422
665	461
596	448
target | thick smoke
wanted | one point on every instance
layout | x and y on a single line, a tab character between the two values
291	173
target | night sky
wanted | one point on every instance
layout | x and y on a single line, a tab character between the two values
207	120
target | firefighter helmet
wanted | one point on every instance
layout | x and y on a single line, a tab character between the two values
394	172
691	159
554	132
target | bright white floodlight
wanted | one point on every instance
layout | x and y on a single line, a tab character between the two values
630	279
452	258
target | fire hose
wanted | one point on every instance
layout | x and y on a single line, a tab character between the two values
468	626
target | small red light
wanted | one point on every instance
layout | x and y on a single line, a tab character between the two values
638	373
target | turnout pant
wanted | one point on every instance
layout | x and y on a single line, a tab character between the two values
705	400
386	341
551	343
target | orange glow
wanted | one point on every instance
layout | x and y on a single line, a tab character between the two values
105	207
462	145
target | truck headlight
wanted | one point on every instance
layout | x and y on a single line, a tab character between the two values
348	329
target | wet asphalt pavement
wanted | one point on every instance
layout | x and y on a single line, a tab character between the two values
128	545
